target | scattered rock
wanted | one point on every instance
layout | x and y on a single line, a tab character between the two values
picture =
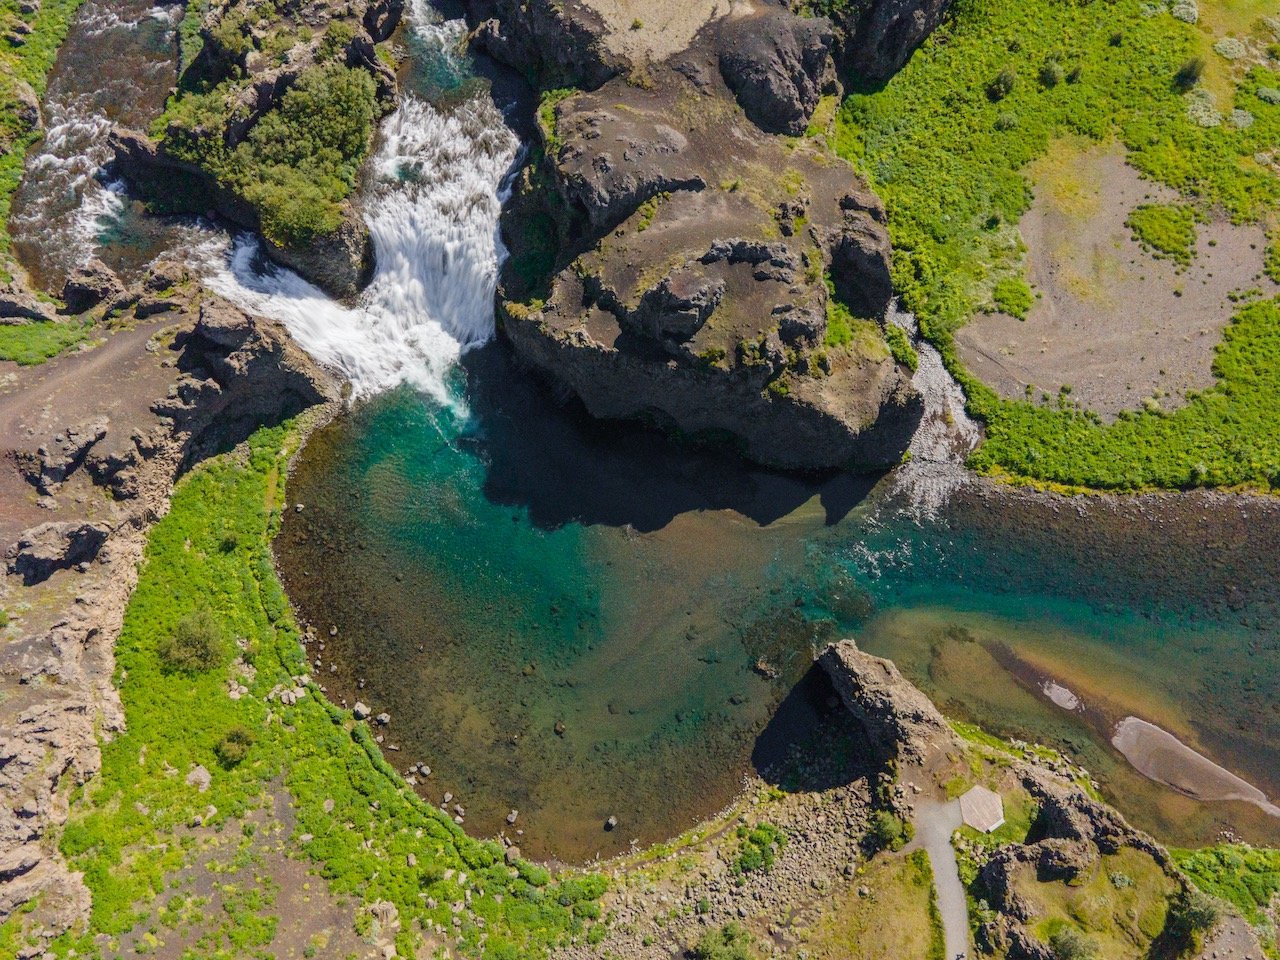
199	778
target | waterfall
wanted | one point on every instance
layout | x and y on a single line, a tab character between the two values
438	182
946	435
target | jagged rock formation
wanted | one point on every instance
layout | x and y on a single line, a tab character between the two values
901	723
226	373
237	61
876	37
1072	833
689	285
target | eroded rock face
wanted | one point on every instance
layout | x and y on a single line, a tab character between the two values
691	292
91	284
879	36
554	43
55	546
229	373
20	305
901	722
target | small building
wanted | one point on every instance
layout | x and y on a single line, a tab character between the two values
982	809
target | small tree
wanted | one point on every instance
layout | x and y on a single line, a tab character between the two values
1191	916
1070	944
234	746
1052	73
730	942
196	644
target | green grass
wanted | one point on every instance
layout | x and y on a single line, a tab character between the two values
901	348
547	118
211	553
951	166
1013	296
1246	877
36	342
1166	230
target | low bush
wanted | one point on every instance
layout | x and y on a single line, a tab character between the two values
234	746
195	645
888	831
1070	944
1166	230
730	942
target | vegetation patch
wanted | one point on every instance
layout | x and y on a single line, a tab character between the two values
761	845
954	231
1165	230
896	916
129	827
1243	876
31	343
298	163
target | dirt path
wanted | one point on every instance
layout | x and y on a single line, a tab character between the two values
935	822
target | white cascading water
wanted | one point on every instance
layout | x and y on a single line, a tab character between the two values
946	436
67	211
432	210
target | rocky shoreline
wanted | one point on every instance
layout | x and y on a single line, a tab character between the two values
131	417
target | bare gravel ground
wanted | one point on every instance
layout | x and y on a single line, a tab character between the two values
1112	322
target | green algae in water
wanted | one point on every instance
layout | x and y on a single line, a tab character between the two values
580	621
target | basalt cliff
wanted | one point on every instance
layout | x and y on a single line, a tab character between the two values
687	249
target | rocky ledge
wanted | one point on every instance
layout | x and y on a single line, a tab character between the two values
688	250
94	442
251	57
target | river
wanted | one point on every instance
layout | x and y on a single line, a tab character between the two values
582	621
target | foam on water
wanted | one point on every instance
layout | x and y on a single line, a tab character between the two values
946	436
432	210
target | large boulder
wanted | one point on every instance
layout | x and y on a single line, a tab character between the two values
778	65
49	547
90	285
901	723
20	305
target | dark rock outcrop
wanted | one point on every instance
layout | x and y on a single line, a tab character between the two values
878	36
690	288
778	65
553	43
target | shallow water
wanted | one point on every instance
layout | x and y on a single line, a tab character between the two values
494	576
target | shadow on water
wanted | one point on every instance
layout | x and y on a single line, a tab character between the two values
564	467
812	743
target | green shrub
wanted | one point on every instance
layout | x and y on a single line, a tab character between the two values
889	832
1192	915
337	37
1166	230
1246	877
1189	73
730	942
196	644
234	746
1070	944
760	847
1052	73
1002	84
1013	296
